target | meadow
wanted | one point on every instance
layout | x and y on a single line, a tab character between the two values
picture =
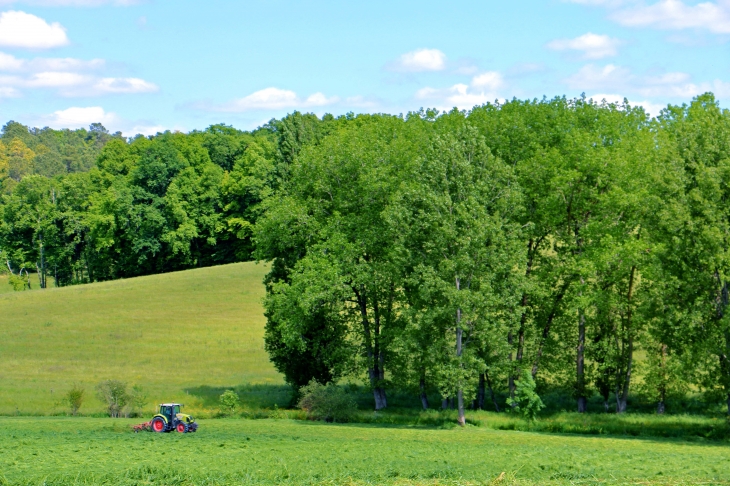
66	450
170	334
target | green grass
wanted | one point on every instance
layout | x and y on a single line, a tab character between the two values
59	450
5	287
173	334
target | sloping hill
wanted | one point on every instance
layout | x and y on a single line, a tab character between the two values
167	333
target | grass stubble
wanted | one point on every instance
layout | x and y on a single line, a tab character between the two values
66	451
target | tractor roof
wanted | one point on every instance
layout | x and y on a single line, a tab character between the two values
170	404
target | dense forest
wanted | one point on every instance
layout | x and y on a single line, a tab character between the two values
581	246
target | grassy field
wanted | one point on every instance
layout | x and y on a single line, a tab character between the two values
59	450
178	335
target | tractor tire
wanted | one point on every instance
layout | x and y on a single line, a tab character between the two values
181	427
158	425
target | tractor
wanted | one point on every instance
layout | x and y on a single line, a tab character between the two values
170	419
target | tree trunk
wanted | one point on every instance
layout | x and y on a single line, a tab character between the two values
424	397
546	328
380	399
511	378
460	389
459	350
42	270
663	385
375	371
446	403
480	392
722	301
491	392
580	363
622	398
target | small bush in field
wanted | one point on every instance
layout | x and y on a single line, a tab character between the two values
327	402
114	394
229	401
74	398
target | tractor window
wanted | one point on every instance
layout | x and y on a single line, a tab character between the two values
176	410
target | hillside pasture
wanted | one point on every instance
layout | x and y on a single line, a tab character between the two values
173	334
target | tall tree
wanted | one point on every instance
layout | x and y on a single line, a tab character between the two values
328	228
464	245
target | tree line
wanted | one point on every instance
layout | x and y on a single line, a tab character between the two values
549	241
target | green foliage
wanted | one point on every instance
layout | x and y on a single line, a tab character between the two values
526	400
327	402
19	282
114	394
229	401
74	398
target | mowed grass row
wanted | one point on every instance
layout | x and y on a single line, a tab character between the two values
191	330
66	450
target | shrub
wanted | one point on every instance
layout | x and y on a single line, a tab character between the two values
229	401
526	401
327	402
114	394
74	398
19	282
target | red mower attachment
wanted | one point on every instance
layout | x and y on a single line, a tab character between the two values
147	426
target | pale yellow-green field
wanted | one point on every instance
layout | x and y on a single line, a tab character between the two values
167	333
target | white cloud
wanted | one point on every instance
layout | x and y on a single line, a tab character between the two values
362	102
490	80
9	62
146	130
319	99
668	14
591	77
20	29
674	14
82	117
651	108
612	78
420	60
6	92
268	98
271	99
482	89
76	117
67	76
593	46
122	86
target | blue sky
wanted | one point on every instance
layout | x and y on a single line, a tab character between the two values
142	66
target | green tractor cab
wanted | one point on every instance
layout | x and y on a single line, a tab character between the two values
170	419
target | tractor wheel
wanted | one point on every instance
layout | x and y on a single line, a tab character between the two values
182	427
158	425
